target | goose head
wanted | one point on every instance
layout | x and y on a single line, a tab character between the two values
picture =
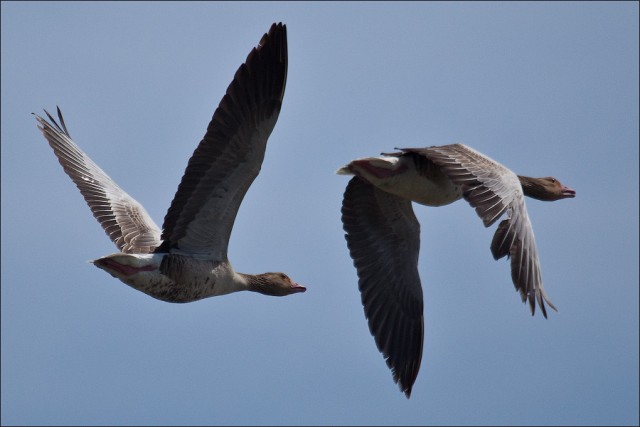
274	284
546	189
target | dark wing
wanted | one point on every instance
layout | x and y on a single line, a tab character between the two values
492	190
125	221
383	236
230	155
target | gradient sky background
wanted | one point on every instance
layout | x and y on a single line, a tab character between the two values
544	88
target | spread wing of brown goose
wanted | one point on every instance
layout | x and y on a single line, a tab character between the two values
125	221
384	241
494	190
230	155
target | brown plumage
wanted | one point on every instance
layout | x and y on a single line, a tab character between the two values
188	260
383	235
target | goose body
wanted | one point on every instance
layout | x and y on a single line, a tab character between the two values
187	259
383	235
408	177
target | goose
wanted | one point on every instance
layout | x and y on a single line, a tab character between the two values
383	235
187	260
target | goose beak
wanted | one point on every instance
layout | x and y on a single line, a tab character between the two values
567	192
296	288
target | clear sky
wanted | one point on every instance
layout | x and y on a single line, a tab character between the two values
544	88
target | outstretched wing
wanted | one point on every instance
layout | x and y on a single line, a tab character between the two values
230	155
125	221
493	190
383	236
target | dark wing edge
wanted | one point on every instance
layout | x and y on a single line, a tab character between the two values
488	187
383	237
123	219
231	151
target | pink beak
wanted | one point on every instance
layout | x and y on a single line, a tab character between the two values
567	192
296	287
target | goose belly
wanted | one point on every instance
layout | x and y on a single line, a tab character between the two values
436	189
170	277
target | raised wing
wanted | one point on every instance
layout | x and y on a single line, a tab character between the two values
383	236
492	190
125	221
230	155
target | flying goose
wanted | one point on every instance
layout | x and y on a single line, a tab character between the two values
383	235
188	261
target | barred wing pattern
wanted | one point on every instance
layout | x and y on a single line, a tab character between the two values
494	190
125	221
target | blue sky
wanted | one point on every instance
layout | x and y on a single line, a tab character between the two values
544	88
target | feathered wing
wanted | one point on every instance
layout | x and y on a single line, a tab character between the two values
230	155
125	221
493	190
383	236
